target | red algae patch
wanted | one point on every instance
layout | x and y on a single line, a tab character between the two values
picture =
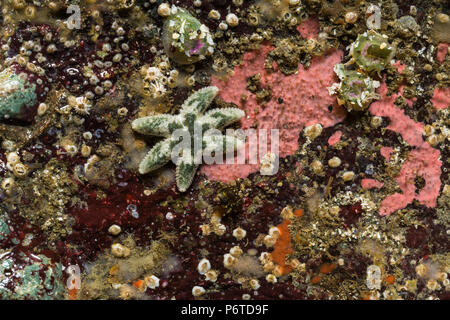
298	100
422	161
371	183
441	98
335	138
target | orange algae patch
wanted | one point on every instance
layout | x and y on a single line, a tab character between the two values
139	284
390	279
283	245
73	293
327	268
316	279
298	212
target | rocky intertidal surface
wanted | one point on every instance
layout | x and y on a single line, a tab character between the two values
344	192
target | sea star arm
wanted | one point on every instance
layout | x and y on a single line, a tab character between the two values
220	118
158	156
158	125
185	173
199	101
221	143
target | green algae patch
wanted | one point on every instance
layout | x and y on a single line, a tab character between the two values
17	95
4	229
31	278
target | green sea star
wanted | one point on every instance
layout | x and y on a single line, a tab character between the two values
192	122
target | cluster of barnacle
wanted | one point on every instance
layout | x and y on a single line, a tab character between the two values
371	53
280	10
46	206
435	275
127	291
214	226
23	10
37	55
312	132
14	165
30	57
155	82
244	266
23	58
231	260
438	131
247	269
432	273
129	270
204	268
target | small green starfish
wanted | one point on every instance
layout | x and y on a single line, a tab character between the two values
191	122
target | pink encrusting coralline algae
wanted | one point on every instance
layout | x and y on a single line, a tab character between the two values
386	152
335	138
298	100
441	96
442	51
309	28
371	183
423	160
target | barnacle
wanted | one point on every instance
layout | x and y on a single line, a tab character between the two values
189	123
157	89
80	105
